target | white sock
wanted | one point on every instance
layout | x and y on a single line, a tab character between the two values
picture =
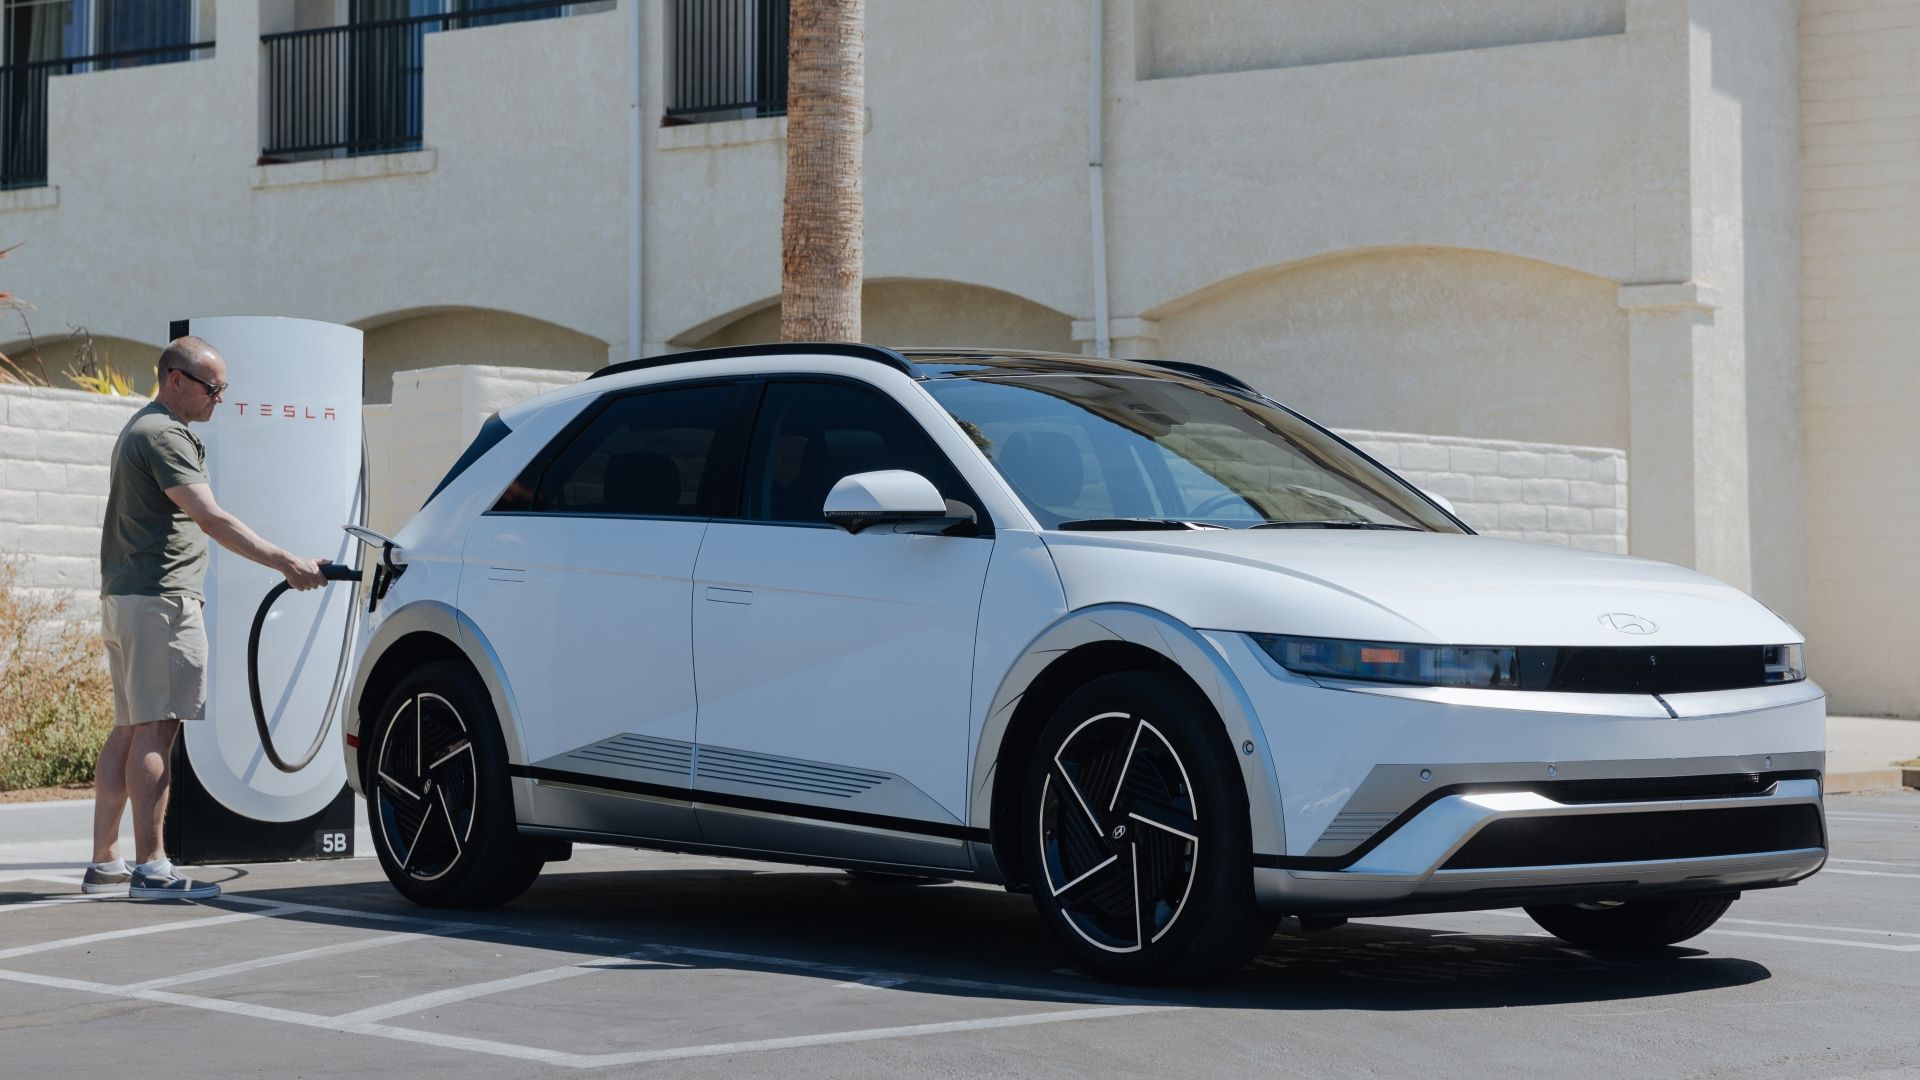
111	866
157	868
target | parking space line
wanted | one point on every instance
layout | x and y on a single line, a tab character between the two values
1881	946
1852	816
236	968
902	977
1874	862
1716	929
134	931
640	1057
283	907
448	996
562	1057
56	901
1868	873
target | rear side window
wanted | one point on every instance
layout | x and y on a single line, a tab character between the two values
490	434
648	454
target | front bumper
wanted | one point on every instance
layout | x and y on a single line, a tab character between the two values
1438	859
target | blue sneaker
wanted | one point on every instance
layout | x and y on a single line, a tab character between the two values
163	884
99	881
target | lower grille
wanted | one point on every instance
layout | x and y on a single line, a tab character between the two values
1664	834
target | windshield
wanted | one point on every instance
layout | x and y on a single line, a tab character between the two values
1102	450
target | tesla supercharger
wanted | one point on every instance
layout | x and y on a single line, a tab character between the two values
284	456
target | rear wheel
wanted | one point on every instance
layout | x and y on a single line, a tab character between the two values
1139	849
438	796
1630	924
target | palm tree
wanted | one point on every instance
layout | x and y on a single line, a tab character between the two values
822	235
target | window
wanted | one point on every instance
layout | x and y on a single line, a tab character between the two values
812	434
40	39
727	60
1084	448
645	454
358	88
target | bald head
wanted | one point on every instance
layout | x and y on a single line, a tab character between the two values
189	354
190	395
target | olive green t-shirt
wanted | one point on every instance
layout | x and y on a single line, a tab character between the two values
150	547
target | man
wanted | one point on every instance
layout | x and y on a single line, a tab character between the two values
153	563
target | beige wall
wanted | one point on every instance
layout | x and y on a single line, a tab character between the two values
156	210
475	337
1179	37
925	313
1861	286
1457	342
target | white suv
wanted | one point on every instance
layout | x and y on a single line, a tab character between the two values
1125	635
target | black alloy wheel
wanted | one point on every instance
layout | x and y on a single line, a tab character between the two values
438	795
1138	850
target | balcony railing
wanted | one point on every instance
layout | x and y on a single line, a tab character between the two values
729	59
356	89
23	103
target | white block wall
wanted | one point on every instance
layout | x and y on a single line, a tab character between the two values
1574	496
54	448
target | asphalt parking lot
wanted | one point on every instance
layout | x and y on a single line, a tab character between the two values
637	963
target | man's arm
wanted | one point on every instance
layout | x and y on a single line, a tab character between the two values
234	535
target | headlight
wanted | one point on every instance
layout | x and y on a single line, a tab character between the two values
1377	661
1657	669
1786	663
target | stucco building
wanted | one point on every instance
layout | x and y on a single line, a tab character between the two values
1683	230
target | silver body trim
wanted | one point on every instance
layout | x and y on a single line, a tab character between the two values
1404	871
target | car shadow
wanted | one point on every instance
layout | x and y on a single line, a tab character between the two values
981	942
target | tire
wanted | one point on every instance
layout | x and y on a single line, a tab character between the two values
439	801
1138	844
1632	924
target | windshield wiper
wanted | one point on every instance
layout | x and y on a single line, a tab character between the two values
1334	524
1131	524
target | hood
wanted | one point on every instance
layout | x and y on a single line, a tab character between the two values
1434	588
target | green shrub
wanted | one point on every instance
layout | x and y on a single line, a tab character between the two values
56	699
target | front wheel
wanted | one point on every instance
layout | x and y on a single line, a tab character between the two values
1630	924
438	797
1138	839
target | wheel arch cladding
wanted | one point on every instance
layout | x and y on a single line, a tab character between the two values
1045	694
404	655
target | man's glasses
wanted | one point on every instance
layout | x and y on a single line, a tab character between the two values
213	389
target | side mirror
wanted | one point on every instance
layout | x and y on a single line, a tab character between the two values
906	501
1442	500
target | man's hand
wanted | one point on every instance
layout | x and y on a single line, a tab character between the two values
304	573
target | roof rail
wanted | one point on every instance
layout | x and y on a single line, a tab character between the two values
1201	372
824	348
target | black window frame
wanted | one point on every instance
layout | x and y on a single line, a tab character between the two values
982	527
727	455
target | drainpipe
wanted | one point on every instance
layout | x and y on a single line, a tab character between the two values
1096	189
636	326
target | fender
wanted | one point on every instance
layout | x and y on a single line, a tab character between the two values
1186	649
443	621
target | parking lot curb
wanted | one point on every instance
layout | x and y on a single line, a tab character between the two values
1859	781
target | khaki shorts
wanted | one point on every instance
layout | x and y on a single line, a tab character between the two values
157	652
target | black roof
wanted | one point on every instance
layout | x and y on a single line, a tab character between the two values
948	363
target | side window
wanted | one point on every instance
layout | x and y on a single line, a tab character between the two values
810	435
649	453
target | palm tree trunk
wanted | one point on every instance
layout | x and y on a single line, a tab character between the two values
822	234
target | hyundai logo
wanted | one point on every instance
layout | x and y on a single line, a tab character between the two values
1627	624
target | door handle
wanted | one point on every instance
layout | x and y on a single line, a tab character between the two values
506	573
729	596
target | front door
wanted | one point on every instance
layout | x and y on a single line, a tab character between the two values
834	670
582	582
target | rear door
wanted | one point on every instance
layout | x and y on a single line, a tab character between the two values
834	670
581	579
